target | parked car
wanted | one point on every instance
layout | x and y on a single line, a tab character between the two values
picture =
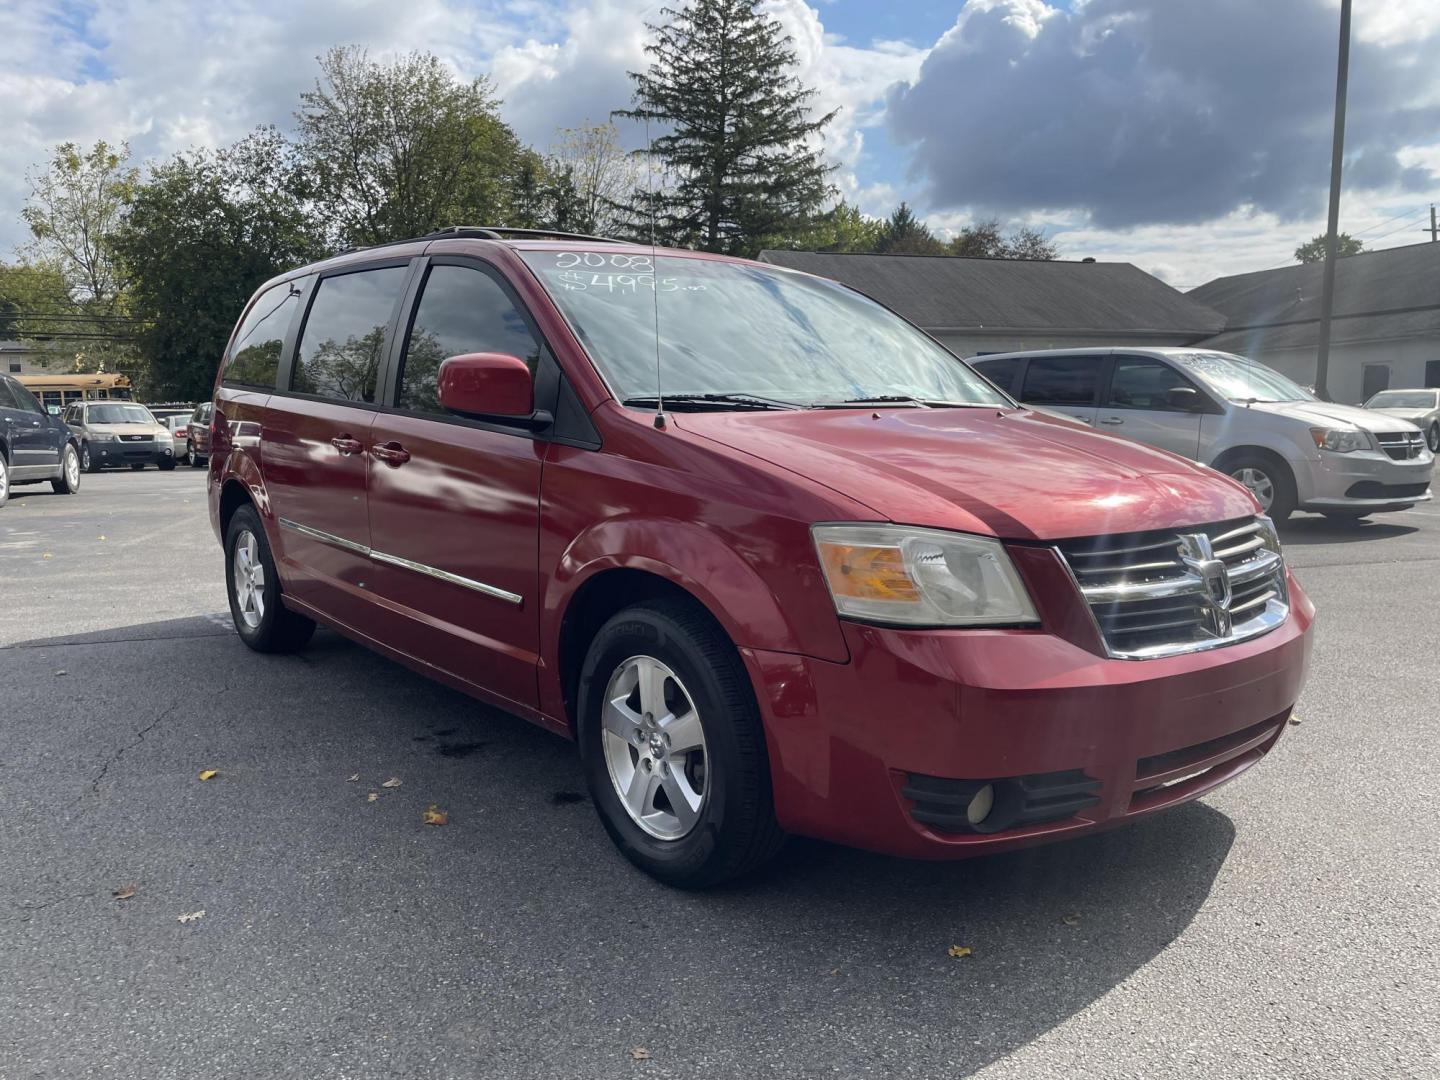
1293	451
179	427
34	445
197	444
119	433
1418	407
835	584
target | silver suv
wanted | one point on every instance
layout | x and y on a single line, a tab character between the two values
1292	450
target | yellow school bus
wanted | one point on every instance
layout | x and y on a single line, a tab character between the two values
61	388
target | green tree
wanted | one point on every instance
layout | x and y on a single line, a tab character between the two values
203	232
906	234
402	149
734	130
984	240
1313	251
75	205
36	305
593	177
841	228
1028	243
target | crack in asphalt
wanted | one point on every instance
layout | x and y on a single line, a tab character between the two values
30	909
140	734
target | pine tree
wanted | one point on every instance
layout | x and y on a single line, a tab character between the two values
733	131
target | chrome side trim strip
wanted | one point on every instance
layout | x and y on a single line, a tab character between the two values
396	560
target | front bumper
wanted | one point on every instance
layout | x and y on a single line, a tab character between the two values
1364	479
859	751
132	453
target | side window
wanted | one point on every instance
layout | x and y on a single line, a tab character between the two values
26	400
1001	372
72	414
1061	380
7	397
1139	382
461	310
344	335
255	356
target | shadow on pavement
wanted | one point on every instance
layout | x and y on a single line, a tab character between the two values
556	955
1314	529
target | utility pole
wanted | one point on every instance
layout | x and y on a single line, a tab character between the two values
1433	230
1337	153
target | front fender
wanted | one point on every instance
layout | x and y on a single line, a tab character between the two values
745	599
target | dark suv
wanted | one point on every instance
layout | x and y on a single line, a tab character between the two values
34	445
835	584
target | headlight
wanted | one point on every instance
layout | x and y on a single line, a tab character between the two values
101	436
920	577
1339	442
1269	538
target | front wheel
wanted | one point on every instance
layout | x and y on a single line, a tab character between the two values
261	619
89	464
673	748
196	461
1432	437
1271	484
4	479
68	482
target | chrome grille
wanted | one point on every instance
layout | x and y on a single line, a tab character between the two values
1166	592
1401	445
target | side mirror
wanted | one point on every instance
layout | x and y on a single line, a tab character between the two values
487	384
1184	398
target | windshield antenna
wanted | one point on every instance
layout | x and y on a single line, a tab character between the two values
654	271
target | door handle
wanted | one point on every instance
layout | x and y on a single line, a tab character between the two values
1082	419
1113	421
392	453
347	444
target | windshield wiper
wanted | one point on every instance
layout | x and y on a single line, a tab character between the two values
903	399
713	401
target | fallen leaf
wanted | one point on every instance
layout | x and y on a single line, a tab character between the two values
435	816
834	971
47	555
352	779
1294	719
639	1053
372	796
394	781
125	892
191	916
208	774
62	671
958	951
102	538
1071	920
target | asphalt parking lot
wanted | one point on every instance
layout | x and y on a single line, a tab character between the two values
1286	926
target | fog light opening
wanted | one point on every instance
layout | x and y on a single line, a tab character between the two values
981	803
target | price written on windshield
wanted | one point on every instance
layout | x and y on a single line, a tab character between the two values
624	274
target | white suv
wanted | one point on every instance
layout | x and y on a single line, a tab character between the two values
1292	450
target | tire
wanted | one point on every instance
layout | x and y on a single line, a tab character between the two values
702	685
166	464
1432	436
261	618
1259	473
68	482
4	478
196	461
88	463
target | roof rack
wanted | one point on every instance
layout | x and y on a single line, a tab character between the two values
500	232
486	232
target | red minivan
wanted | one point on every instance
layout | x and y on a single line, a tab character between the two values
776	560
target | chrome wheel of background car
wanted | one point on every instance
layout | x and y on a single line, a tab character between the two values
85	457
249	575
1432	438
654	744
1260	485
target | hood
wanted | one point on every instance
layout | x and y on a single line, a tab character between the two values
1328	414
1015	474
1412	415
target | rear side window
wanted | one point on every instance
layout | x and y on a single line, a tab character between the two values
24	399
1001	372
344	335
1061	380
7	398
1142	383
461	310
255	355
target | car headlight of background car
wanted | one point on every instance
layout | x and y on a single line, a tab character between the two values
1338	441
921	577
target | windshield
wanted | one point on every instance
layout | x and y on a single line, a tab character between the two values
118	414
1240	379
741	329
1403	399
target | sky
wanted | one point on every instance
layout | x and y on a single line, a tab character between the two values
1189	137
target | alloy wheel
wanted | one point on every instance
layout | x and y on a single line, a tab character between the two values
654	746
72	469
1432	438
4	479
1259	484
249	576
